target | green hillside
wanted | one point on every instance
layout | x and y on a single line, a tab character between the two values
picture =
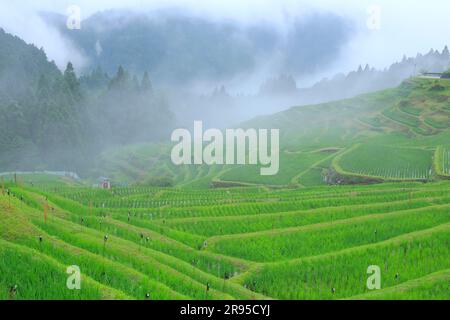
362	182
243	243
239	243
389	135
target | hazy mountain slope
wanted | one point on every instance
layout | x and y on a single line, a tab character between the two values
41	122
49	121
176	47
21	65
367	79
319	143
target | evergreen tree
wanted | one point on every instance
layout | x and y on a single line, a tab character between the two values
71	81
135	83
120	80
446	53
146	84
43	88
96	80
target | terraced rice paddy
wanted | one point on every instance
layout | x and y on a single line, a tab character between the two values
387	162
241	243
310	232
397	131
442	161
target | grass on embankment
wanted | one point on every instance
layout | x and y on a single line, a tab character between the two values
401	259
441	162
435	286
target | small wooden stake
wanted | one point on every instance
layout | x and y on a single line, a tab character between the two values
3	186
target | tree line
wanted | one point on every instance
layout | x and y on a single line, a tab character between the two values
56	120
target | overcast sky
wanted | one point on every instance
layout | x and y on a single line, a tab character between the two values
406	27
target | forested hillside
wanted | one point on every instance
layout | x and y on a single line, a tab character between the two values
180	48
54	120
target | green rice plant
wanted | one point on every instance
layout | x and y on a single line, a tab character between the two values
29	275
291	243
240	243
401	118
210	227
402	259
442	161
387	162
430	287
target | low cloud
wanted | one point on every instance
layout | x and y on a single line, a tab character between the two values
407	27
26	23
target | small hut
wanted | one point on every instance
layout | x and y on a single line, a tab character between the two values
104	183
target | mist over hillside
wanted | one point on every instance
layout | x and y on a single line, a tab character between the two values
221	108
368	79
54	120
180	49
223	71
248	151
61	120
145	72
